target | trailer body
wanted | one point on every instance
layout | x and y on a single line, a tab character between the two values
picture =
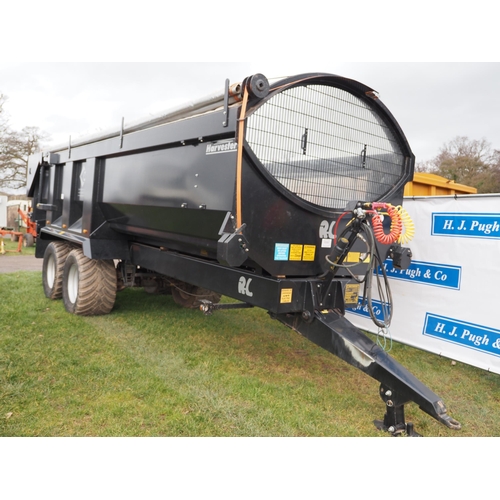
267	193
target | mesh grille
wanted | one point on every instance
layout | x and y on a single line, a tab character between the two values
325	145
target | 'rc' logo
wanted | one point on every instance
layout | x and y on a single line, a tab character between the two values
326	229
244	286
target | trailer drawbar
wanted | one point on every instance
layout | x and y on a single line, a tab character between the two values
285	195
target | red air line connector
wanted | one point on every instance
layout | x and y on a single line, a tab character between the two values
400	220
396	223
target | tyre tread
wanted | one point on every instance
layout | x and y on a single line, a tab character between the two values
97	285
60	250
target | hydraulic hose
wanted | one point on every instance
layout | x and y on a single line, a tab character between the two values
383	287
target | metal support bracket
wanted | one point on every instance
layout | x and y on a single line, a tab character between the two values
226	104
394	418
207	307
128	274
331	331
121	132
232	249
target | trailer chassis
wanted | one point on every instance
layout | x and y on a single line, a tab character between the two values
314	308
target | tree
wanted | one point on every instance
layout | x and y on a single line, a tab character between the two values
469	162
3	120
424	166
495	172
15	147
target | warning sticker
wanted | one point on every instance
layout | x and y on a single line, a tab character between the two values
295	252
281	251
351	294
357	257
286	295
353	257
309	252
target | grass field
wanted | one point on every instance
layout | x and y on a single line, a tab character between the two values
10	248
151	368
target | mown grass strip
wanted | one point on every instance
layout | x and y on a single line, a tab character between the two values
151	368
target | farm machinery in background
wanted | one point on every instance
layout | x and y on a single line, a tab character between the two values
24	238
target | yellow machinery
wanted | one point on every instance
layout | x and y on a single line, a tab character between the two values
424	184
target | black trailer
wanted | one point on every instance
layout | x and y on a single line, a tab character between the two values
284	195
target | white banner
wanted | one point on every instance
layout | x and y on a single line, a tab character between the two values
448	302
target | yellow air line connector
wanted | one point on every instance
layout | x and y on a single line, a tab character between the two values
408	226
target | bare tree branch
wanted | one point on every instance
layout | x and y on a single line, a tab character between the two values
15	147
470	162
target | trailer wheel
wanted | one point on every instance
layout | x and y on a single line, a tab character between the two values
186	295
52	270
28	240
89	285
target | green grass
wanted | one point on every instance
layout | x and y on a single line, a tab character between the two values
11	247
151	368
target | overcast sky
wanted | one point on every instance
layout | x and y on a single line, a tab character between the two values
433	102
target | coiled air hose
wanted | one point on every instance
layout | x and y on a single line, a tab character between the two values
408	226
396	224
401	230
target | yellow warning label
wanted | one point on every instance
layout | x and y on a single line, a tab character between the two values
309	252
286	295
351	293
295	252
357	256
353	257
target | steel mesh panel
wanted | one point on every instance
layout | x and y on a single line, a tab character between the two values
325	145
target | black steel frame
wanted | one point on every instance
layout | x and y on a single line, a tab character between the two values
310	300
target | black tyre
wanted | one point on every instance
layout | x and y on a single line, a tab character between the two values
52	270
89	285
28	240
189	296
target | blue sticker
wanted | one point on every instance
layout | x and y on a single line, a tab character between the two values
477	337
466	225
281	251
